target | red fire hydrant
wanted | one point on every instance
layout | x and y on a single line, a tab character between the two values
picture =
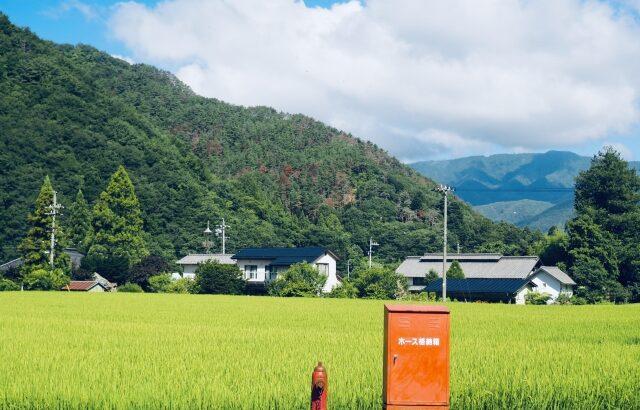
319	387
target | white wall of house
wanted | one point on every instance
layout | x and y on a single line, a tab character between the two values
96	288
189	271
546	283
520	296
245	266
327	263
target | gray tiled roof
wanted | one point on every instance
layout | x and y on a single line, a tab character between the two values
474	266
196	258
557	273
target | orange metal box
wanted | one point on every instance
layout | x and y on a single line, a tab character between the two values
416	357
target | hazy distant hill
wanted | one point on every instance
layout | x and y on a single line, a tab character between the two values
532	190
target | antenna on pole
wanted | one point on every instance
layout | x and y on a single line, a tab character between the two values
444	189
371	245
221	230
53	210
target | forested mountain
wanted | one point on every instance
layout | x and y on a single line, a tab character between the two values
75	113
534	190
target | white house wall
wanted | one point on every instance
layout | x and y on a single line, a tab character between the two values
261	271
546	283
332	279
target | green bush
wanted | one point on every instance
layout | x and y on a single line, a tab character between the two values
455	271
45	279
380	283
159	283
8	285
182	285
420	297
346	290
131	288
537	298
563	299
216	278
300	280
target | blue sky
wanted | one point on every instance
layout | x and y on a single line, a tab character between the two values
580	107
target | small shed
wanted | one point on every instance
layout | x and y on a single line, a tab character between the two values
85	286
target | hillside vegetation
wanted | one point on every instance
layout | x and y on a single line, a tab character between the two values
75	113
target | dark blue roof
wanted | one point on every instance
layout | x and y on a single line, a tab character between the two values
283	256
478	285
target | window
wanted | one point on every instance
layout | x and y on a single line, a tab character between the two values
323	268
271	272
251	271
419	282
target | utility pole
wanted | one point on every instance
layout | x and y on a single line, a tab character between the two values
207	240
371	245
222	230
54	209
445	190
348	271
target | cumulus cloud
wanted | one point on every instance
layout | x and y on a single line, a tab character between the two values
123	58
422	79
87	11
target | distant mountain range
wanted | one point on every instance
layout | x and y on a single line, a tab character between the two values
534	190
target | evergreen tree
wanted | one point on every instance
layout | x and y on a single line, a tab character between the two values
78	222
602	248
455	271
35	247
117	222
609	186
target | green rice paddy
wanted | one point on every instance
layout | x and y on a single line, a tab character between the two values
61	350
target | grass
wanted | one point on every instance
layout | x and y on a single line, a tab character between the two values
60	350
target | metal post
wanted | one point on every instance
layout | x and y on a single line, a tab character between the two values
224	238
371	245
348	271
444	252
445	190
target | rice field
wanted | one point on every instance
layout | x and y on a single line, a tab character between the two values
60	350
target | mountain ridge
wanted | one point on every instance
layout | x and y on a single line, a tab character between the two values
76	114
501	183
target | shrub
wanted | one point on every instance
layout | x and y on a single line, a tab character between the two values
563	299
159	283
431	276
8	285
420	297
346	290
130	287
537	298
152	265
182	285
45	279
216	278
380	283
301	279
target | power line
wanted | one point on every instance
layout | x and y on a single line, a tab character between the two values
515	190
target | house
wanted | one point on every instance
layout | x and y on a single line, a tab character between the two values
190	262
85	286
494	270
262	265
98	284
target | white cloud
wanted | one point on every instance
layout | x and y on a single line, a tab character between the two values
419	78
87	11
624	151
123	58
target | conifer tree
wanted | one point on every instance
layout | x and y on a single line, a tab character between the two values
116	227
455	271
35	247
78	222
